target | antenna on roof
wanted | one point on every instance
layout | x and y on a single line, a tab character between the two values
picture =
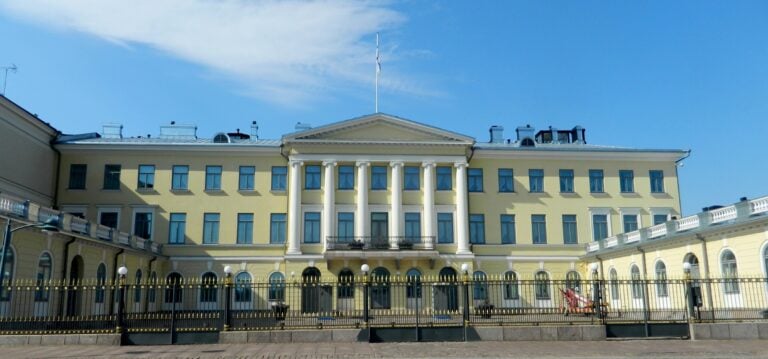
378	71
13	69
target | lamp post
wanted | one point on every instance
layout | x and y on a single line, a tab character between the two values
465	285
366	286
50	225
227	297
689	296
122	271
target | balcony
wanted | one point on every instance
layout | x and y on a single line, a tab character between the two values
380	246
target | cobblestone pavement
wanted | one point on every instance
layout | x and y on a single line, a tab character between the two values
607	349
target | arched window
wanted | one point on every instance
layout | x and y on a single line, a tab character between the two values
480	291
346	284
208	289
101	279
730	272
527	142
413	277
511	286
5	295
614	276
44	266
380	296
152	284
277	287
173	293
661	279
573	281
765	260
541	285
243	287
637	285
137	287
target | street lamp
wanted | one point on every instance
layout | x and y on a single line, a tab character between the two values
50	225
122	271
596	291
228	297
366	287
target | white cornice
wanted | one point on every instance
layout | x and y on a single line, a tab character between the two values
379	158
165	148
582	154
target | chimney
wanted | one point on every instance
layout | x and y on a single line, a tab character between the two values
178	131
579	135
525	132
497	134
112	130
254	130
302	126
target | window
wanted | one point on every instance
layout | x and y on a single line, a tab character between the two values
101	280
475	179
413	280
346	288
277	228
596	181
413	227
477	228
570	235
137	286
659	218
411	178
44	265
536	180
480	290
508	229
630	222
614	276
511	286
637	285
346	177
765	259
245	228
77	175
211	228
573	281
657	181
599	226
627	181
142	225
444	181
180	178
279	174
729	272
661	279
276	287
445	228
378	177
173	289
109	219
312	177
146	177
212	178
208	289
346	227
243	287
566	180
506	180
541	285
312	227
177	228
247	178
111	176
539	228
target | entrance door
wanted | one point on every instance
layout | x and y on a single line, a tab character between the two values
310	290
379	230
74	296
446	297
380	298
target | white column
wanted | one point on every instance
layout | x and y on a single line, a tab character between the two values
462	215
429	205
329	202
361	217
294	207
397	205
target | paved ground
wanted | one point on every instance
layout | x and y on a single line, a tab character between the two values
607	349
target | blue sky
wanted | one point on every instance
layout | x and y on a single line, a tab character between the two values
646	74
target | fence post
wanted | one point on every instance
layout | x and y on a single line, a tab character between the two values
122	271
465	285
597	294
366	289
227	298
689	298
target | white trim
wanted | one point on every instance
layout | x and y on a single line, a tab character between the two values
636	211
109	209
318	208
600	211
405	159
75	208
658	211
575	153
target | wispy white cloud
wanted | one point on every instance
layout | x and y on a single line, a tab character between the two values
287	52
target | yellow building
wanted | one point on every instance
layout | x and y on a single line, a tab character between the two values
403	197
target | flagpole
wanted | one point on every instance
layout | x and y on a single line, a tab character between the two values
378	69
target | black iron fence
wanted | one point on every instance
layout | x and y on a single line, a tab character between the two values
377	243
31	307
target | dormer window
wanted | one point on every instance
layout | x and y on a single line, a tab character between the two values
221	138
527	142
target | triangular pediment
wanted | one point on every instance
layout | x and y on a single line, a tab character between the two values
378	128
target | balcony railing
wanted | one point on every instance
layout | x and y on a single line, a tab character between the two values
379	243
